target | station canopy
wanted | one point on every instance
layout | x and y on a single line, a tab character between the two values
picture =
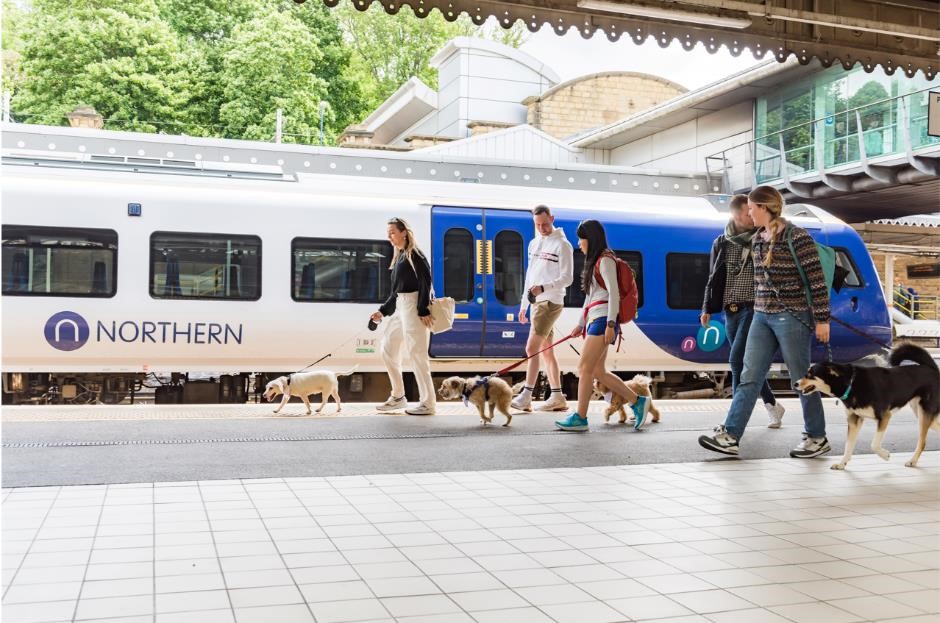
895	34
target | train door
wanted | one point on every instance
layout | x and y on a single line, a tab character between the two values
478	258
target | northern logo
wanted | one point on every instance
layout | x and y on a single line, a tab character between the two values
66	330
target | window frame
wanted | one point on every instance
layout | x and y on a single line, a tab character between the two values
337	242
523	267
698	305
637	275
842	251
472	265
87	295
150	275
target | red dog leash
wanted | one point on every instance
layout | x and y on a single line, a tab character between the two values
522	361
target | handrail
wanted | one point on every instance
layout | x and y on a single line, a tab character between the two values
916	306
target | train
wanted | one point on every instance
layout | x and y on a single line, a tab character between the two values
205	285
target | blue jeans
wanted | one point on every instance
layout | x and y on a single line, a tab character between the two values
769	332
738	325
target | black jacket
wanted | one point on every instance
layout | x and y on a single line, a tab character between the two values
406	279
717	277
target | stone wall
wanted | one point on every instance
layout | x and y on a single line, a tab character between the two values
597	100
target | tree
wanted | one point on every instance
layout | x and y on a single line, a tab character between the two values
119	57
268	63
13	17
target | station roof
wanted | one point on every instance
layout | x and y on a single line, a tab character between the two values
896	34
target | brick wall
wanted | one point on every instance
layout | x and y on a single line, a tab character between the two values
597	100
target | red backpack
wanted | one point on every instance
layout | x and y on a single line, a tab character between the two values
626	284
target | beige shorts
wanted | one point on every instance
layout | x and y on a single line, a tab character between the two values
544	315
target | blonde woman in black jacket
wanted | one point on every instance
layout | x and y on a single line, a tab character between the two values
409	327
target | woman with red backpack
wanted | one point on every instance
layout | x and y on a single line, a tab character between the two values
600	326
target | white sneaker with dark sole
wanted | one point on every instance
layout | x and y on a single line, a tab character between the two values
810	447
721	441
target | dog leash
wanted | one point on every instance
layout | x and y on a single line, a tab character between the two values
328	355
522	361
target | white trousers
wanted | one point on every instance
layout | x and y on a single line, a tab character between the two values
405	334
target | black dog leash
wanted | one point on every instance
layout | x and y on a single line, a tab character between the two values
326	356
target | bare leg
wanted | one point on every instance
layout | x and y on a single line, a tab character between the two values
594	350
551	364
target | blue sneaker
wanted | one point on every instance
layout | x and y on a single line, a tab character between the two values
573	422
640	409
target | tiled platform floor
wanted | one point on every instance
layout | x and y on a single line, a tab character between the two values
725	541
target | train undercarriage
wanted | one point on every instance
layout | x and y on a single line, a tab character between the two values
107	388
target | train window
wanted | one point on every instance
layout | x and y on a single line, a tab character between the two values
458	264
59	261
330	270
508	267
205	266
852	278
574	297
686	276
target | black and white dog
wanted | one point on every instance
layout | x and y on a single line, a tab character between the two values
877	392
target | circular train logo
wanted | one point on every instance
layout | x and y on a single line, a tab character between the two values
708	338
66	330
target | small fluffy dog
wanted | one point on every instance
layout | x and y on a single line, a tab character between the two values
480	391
303	384
639	384
877	392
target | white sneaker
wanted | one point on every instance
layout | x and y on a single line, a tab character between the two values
392	404
420	410
556	402
522	402
775	413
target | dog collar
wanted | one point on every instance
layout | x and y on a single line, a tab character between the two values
849	388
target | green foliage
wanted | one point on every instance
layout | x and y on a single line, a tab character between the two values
116	56
218	67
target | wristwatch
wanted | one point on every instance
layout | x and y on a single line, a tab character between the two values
611	324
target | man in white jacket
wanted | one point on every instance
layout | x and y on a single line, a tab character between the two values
550	272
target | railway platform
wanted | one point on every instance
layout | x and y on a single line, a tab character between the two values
222	513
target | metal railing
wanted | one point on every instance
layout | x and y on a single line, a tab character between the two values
916	306
891	126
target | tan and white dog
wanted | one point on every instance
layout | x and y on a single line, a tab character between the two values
303	384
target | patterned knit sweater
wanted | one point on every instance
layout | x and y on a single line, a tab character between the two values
785	277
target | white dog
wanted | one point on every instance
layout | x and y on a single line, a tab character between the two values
303	384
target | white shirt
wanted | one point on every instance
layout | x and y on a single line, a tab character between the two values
608	270
551	265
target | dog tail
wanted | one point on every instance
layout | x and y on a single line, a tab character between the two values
348	372
910	352
643	379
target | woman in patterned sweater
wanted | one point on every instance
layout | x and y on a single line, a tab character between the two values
782	319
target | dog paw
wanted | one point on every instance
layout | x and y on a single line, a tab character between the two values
839	466
884	454
910	464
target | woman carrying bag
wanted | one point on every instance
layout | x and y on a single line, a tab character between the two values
599	328
409	326
787	315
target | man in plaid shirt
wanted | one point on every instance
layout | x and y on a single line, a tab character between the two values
730	288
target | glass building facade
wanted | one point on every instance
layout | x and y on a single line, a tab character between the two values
814	122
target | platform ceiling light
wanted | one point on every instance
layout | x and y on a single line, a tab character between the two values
678	15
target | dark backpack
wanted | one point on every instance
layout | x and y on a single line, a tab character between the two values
626	284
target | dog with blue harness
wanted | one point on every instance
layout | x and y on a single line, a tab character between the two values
480	392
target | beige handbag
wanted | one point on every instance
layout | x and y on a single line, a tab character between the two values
442	314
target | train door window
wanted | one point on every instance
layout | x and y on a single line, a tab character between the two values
59	261
330	270
508	267
574	297
852	278
686	276
458	264
205	266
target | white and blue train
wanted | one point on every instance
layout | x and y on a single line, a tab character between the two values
110	273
